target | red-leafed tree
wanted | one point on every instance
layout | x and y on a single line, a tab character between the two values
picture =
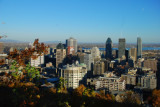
22	57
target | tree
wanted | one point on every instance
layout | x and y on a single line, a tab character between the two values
61	86
16	74
79	91
156	98
23	57
31	72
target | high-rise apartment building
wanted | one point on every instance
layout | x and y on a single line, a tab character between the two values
71	45
60	55
95	53
109	48
139	48
73	75
121	47
148	81
150	63
88	61
98	68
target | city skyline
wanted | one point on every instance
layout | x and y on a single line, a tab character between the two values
87	21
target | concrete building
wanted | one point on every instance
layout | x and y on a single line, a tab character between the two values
73	75
60	56
133	54
106	64
98	68
108	83
109	46
150	63
139	48
95	53
148	81
88	61
130	79
71	45
38	62
121	47
81	56
60	46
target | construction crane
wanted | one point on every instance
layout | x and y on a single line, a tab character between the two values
3	36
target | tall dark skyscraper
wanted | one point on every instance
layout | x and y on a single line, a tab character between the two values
139	48
121	47
109	48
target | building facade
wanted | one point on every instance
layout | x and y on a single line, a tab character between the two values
71	45
108	83
150	63
88	61
98	68
139	48
60	56
109	48
133	54
95	53
38	62
148	81
73	75
121	47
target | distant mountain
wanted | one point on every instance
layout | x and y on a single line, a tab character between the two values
12	41
56	42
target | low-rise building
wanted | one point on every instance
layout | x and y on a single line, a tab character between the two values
108	83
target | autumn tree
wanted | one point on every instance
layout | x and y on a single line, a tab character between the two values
79	91
156	98
2	61
23	57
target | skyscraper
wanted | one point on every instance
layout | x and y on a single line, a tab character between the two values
95	53
121	47
88	61
133	54
139	48
71	45
109	48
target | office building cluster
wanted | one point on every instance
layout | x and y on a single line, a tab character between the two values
125	69
111	70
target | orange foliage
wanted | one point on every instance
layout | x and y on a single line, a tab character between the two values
79	91
156	98
2	61
24	56
52	90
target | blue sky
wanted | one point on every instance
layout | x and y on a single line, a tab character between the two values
85	20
